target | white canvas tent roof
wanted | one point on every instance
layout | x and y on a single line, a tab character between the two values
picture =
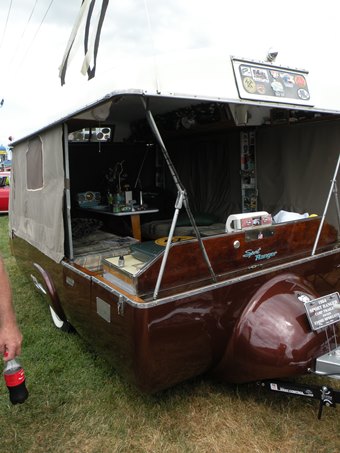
193	75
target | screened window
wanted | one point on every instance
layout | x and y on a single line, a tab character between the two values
34	164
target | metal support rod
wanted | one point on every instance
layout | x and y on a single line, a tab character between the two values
158	136
178	206
334	336
138	181
68	193
182	197
333	182
336	198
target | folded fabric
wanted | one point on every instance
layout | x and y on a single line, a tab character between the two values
286	216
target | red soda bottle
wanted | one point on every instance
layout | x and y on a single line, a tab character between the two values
15	380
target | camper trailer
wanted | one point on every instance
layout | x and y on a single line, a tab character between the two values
194	232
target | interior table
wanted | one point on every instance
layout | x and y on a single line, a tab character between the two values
135	218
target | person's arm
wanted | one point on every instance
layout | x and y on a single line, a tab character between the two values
10	335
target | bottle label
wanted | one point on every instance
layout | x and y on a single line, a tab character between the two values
12	380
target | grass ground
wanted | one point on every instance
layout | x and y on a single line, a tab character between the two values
78	403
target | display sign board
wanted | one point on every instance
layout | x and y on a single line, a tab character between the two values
324	311
266	82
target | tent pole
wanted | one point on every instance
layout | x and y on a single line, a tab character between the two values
68	193
333	183
336	198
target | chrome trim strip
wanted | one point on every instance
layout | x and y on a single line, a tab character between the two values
218	285
75	270
38	285
129	288
111	290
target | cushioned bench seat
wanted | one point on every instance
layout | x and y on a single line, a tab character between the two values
161	228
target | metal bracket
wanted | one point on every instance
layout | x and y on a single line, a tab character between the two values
121	305
326	399
327	396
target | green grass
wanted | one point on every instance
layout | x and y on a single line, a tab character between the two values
78	403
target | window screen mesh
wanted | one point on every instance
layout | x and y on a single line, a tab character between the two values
34	164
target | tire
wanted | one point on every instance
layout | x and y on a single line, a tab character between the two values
64	326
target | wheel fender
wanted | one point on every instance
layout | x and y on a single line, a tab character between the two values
272	337
50	291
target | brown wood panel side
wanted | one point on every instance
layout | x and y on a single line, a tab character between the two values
233	252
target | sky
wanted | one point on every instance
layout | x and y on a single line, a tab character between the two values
34	35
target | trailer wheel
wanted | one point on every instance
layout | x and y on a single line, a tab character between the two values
65	326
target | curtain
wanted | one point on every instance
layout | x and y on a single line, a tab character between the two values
209	169
295	166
